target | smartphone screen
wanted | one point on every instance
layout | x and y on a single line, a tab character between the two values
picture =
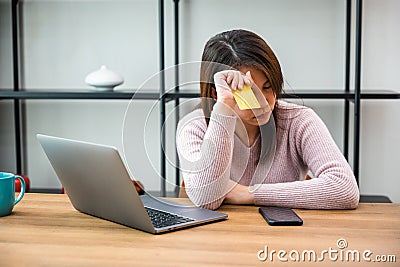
280	216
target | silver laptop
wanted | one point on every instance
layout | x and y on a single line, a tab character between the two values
97	183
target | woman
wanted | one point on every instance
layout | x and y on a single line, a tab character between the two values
235	156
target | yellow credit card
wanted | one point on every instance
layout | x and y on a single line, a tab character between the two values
245	98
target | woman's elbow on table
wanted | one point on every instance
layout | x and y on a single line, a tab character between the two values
347	198
204	202
353	198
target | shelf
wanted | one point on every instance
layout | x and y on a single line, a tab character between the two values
154	95
81	94
313	94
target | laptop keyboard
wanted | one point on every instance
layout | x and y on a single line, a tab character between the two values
163	219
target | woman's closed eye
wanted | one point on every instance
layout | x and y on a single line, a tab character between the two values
267	87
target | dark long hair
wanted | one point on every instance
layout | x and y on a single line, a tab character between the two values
236	49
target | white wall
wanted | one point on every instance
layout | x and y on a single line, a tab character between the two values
7	156
65	40
380	122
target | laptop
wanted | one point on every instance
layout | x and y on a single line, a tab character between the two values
98	183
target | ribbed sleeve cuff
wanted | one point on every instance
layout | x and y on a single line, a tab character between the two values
263	195
282	194
222	122
222	109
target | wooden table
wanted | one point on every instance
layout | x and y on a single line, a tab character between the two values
45	230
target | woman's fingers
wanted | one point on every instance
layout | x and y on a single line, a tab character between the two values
231	80
249	78
238	80
248	75
235	81
227	81
229	77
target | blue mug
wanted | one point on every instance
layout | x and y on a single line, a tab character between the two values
7	192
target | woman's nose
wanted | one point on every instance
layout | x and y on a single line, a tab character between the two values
260	98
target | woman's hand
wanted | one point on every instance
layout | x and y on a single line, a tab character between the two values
240	194
227	80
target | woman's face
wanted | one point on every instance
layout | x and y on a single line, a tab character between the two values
263	90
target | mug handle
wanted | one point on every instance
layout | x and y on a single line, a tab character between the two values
21	194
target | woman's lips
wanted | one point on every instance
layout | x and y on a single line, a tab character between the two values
262	116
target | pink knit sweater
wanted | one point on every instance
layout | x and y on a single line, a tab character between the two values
214	156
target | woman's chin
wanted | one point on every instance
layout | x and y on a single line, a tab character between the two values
263	118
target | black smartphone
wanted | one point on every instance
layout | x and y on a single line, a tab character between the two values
280	216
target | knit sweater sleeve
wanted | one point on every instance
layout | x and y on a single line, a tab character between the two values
334	185
205	155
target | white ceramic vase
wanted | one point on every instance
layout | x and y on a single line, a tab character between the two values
104	79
